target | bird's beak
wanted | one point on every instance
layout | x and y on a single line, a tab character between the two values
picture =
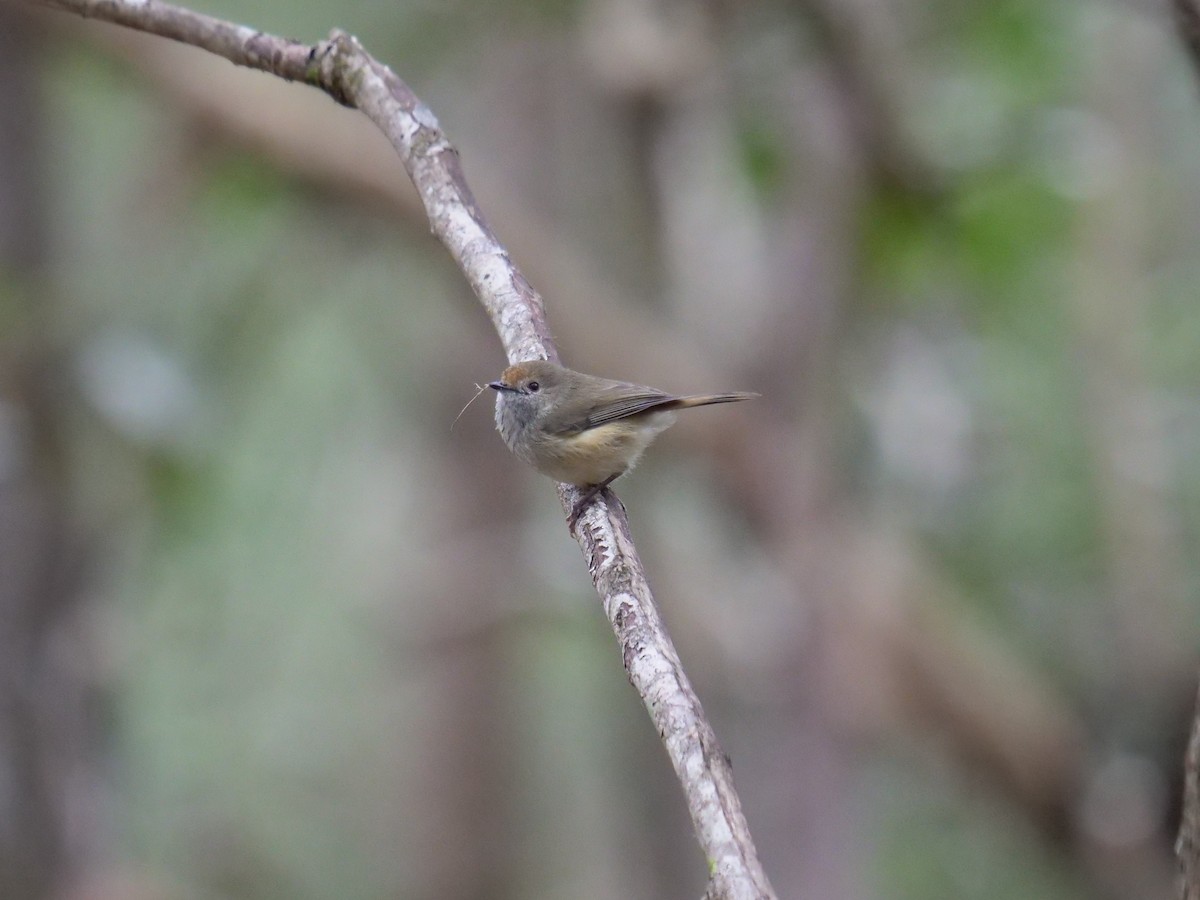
501	386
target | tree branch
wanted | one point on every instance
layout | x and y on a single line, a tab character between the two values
1187	845
340	67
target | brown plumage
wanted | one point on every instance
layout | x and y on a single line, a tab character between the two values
580	429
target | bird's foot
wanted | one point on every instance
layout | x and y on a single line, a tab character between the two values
585	500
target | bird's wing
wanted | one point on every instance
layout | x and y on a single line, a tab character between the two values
626	406
616	403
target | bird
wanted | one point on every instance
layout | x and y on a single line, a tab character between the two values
581	429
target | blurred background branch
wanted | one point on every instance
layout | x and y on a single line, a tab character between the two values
1187	21
1187	846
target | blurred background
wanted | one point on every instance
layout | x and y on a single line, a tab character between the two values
270	628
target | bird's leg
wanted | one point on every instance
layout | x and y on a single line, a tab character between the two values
585	499
617	500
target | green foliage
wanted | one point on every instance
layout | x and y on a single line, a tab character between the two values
936	842
763	159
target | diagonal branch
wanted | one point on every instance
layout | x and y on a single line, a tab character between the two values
1187	845
340	67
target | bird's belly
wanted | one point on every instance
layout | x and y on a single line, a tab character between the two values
597	454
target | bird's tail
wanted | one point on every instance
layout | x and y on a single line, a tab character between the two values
706	399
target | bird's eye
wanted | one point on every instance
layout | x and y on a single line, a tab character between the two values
533	387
